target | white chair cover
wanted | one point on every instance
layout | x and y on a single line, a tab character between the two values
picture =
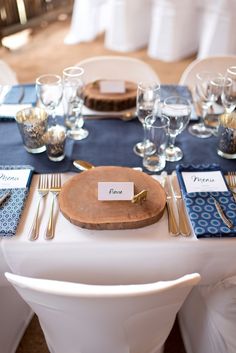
99	318
213	63
117	67
174	29
128	27
208	318
218	28
89	18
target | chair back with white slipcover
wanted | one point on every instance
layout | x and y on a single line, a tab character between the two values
7	75
212	309
117	68
87	318
212	63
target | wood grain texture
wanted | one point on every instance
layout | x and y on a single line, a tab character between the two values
79	202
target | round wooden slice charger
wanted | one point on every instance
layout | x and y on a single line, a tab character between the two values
109	102
79	203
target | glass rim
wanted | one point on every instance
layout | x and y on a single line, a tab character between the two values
231	70
142	85
166	124
57	78
178	97
78	68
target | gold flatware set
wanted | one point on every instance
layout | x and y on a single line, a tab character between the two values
45	186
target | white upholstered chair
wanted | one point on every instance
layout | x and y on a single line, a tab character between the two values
174	30
87	318
212	63
7	75
208	318
117	67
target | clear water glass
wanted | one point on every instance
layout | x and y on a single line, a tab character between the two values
178	110
228	96
156	133
205	95
49	89
73	94
148	98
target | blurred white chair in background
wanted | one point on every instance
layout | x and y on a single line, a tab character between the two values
128	24
218	28
89	18
208	318
117	68
212	63
83	318
174	29
7	75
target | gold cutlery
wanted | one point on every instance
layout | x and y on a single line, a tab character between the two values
184	226
231	180
55	188
4	197
172	224
42	192
222	215
85	165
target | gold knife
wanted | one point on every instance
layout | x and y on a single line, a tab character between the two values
172	223
184	225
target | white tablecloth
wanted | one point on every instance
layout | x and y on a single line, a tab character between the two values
128	256
170	29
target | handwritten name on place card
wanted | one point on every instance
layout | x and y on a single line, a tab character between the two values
112	86
14	178
204	181
113	191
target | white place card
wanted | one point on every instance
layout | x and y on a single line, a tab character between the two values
14	178
204	181
112	86
113	191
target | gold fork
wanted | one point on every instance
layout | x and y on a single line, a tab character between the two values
42	192
231	179
55	188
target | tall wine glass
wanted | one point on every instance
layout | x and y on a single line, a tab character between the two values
178	110
49	89
73	93
204	95
228	96
148	98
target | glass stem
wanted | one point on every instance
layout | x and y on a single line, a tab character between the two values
172	141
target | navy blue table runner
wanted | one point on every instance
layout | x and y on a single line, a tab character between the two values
110	142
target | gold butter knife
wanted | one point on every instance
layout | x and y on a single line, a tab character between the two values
172	223
184	225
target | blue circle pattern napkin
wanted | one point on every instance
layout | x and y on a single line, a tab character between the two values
202	212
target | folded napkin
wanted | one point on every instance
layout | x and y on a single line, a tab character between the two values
179	90
18	97
201	208
11	209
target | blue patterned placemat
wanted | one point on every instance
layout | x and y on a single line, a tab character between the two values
201	209
11	209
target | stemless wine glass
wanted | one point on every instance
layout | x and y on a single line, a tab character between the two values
205	94
49	90
73	93
148	97
228	96
178	110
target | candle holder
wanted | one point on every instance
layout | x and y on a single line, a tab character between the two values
55	139
227	136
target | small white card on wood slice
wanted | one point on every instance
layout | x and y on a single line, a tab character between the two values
114	191
112	86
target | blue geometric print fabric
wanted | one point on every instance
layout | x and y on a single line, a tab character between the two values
201	209
11	209
204	217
